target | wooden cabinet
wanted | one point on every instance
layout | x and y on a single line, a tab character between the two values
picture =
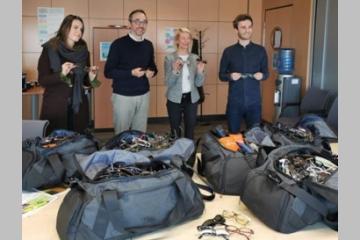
153	105
209	105
222	93
161	110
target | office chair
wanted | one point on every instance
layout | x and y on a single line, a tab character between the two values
315	101
34	128
332	117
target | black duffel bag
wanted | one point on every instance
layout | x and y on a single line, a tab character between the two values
224	170
50	160
288	204
124	194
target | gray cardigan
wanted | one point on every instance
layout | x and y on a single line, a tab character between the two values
174	80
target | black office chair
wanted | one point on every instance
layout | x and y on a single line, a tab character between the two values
332	117
315	101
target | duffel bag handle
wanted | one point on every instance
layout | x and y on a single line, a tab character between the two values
56	165
315	203
80	172
200	164
184	167
295	190
208	189
113	210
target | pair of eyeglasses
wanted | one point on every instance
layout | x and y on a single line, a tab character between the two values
138	22
215	231
247	75
246	232
238	217
86	68
51	142
182	62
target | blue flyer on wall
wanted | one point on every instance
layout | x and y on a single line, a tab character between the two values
104	50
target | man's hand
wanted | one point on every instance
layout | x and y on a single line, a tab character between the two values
258	76
235	76
149	74
137	72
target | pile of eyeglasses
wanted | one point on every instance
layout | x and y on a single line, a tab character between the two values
301	134
149	141
54	141
298	134
217	227
120	169
301	166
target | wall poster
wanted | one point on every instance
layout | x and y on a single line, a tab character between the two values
49	20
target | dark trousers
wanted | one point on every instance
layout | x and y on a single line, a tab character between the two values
237	111
184	109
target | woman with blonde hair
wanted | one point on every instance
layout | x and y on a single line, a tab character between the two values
183	74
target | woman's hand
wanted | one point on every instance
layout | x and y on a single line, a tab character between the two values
93	72
177	66
66	68
200	67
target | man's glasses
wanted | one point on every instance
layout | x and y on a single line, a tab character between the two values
138	22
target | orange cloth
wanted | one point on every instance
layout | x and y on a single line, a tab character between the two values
232	142
237	137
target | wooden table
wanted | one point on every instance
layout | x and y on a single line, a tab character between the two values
41	225
34	92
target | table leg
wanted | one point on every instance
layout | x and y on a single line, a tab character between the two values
34	107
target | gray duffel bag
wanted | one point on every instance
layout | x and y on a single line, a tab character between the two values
49	161
152	145
287	200
125	194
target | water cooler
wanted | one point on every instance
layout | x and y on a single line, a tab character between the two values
288	87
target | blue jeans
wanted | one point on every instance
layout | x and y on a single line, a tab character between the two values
236	111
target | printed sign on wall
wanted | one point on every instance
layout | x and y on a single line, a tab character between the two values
170	39
49	20
104	50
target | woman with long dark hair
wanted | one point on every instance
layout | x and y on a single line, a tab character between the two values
64	70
